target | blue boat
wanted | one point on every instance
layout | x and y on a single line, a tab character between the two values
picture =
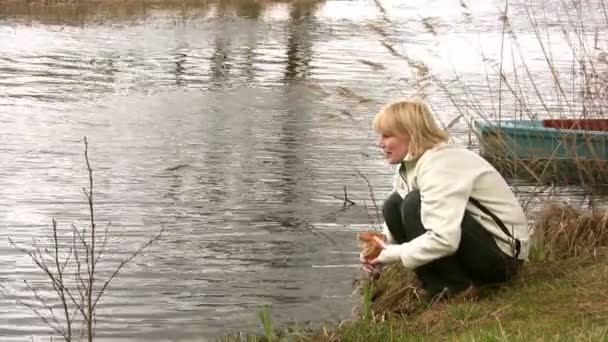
547	150
580	139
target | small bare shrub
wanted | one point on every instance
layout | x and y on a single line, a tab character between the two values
71	269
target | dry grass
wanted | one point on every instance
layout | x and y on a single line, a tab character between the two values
552	300
395	291
589	174
564	233
568	232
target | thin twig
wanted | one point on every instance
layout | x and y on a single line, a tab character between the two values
123	263
103	244
535	29
371	193
45	320
80	298
346	200
505	23
90	255
80	283
382	10
529	75
44	303
60	285
36	261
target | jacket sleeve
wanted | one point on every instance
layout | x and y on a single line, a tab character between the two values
445	186
387	233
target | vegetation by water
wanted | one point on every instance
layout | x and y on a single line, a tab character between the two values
577	90
559	295
80	12
71	266
48	6
118	3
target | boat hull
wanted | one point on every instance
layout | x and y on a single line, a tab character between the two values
551	150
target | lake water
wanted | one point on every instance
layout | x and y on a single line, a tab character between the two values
237	128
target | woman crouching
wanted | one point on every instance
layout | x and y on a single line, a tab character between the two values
451	218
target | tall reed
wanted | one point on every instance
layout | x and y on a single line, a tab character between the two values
570	81
566	77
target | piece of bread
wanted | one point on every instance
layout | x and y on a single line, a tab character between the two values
370	247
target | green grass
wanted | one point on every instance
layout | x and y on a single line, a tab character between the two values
569	304
551	301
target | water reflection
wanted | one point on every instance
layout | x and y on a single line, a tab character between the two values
180	57
299	42
249	9
220	68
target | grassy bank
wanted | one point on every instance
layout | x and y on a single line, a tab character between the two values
560	295
551	301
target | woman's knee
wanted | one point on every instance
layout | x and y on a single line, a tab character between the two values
410	207
392	205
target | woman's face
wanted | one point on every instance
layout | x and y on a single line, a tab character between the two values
394	147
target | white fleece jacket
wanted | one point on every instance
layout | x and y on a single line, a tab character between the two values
447	176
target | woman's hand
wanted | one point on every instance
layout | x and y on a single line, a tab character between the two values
372	270
372	267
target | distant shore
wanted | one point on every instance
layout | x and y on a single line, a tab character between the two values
77	12
49	4
141	2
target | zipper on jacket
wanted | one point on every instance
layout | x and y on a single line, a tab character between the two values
403	174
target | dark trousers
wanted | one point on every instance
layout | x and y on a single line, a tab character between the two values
478	259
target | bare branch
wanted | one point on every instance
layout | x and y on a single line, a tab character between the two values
80	237
77	275
90	264
79	298
78	306
61	285
124	262
80	284
34	310
38	254
36	261
346	200
103	244
67	259
43	302
371	193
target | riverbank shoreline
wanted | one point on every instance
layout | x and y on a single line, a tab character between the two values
559	292
58	3
79	12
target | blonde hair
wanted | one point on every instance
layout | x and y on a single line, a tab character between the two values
412	118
